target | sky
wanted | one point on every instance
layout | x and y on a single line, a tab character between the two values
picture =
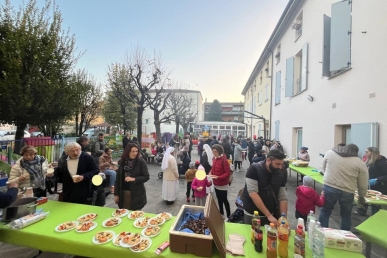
212	45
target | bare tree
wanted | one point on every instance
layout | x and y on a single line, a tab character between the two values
89	100
144	74
159	105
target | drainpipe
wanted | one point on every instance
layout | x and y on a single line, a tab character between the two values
271	86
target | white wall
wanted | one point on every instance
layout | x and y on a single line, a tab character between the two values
350	90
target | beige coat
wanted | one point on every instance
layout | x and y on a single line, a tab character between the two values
17	171
171	172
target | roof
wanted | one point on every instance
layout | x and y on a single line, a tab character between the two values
226	103
179	90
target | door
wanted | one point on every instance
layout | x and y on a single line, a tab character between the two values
365	135
299	140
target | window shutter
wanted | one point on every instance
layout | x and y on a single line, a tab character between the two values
304	65
277	127
340	55
365	135
289	77
326	46
267	92
278	87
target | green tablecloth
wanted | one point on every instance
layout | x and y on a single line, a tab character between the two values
374	229
307	171
42	235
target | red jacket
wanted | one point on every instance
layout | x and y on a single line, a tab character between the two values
221	168
307	198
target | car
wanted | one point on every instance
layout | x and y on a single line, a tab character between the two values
89	132
37	134
10	135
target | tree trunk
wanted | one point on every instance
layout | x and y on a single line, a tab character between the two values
76	123
177	125
156	117
19	135
140	110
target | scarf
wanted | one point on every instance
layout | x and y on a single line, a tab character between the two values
164	164
128	167
34	168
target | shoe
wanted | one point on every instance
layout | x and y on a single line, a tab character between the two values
170	202
188	199
112	189
193	199
357	212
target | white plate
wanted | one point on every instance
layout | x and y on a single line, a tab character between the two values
66	230
127	245
139	251
137	217
154	218
106	220
169	214
90	229
135	222
143	232
95	241
118	236
122	215
84	215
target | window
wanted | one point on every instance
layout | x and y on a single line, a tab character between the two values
260	98
299	138
278	87
267	69
214	127
261	78
236	118
260	130
297	25
296	73
234	128
146	120
337	39
221	127
267	93
277	128
278	54
229	127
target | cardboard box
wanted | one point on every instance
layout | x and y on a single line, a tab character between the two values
200	245
342	239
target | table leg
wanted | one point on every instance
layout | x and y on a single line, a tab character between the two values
368	250
297	179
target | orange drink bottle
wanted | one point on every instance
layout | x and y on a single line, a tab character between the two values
283	240
271	251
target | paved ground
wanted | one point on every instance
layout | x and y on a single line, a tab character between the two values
156	205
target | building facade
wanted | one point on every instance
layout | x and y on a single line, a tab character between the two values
328	80
231	111
148	115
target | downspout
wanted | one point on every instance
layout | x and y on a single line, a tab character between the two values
271	87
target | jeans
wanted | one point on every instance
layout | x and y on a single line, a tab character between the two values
345	199
112	175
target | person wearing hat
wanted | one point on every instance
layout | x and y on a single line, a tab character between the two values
189	177
307	199
303	154
265	189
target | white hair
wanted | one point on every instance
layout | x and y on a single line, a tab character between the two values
71	145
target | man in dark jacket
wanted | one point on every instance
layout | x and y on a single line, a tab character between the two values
125	140
251	151
226	147
9	197
214	141
207	141
265	190
99	145
200	149
75	171
84	142
257	146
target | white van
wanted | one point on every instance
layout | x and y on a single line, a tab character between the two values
10	135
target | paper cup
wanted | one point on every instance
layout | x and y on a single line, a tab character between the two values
75	178
50	170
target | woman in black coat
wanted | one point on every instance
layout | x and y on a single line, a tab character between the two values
226	147
185	160
129	190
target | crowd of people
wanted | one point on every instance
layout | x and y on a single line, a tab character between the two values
265	179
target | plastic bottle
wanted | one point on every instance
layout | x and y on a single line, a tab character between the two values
255	224
312	224
301	228
271	251
283	218
318	241
299	242
283	240
301	222
258	240
308	218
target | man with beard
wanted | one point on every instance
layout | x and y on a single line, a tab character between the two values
265	190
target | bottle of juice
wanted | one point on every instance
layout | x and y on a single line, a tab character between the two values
283	218
301	228
255	224
271	251
283	240
299	243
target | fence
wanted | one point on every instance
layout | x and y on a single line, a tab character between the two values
50	148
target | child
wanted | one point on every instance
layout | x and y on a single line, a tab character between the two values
259	156
199	188
307	198
189	176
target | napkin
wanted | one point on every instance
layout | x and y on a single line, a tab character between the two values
235	244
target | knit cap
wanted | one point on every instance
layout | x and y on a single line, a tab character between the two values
192	164
307	181
200	167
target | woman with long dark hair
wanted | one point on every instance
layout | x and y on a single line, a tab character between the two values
129	190
377	169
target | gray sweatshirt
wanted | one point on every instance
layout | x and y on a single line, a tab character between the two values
345	172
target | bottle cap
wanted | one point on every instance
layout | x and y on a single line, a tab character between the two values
283	214
283	222
300	227
272	224
256	213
